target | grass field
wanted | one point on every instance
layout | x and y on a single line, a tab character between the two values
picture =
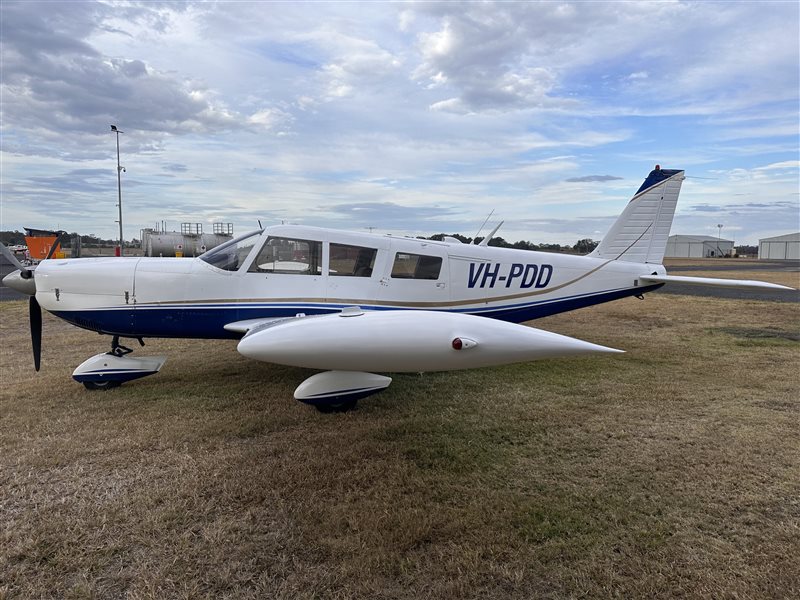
669	471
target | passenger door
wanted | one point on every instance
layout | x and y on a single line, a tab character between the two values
416	276
354	271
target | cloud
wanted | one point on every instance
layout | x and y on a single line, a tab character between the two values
381	214
558	56
793	165
590	178
419	117
478	52
57	86
270	118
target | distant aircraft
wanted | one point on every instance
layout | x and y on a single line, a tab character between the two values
352	304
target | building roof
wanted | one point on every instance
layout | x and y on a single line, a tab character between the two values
697	238
789	237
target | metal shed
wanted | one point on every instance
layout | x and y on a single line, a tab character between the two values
781	247
697	246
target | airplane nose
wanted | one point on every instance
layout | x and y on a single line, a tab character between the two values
24	285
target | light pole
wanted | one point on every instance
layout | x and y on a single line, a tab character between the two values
719	238
120	169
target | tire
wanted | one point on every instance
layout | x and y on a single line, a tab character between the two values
100	385
337	408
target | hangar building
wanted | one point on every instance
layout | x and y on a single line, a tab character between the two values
780	247
697	246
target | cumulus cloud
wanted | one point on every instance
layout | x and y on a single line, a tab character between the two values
532	55
478	53
355	62
270	118
56	84
395	106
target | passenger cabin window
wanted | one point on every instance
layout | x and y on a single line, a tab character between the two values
290	256
231	255
351	261
416	266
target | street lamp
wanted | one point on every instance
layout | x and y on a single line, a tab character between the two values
120	169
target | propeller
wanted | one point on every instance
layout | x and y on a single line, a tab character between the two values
13	259
35	313
23	280
52	251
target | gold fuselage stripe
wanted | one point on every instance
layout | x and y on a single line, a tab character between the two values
372	302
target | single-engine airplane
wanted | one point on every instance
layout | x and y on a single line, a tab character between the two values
352	304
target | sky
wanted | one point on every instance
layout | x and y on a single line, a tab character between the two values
406	118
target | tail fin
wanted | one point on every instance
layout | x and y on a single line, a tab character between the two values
641	231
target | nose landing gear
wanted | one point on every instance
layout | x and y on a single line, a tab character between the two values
111	369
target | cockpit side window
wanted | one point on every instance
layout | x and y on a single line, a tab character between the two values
231	255
351	261
289	256
416	266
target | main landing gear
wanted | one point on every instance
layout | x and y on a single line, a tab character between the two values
111	369
339	391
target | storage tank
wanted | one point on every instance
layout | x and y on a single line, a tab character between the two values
189	242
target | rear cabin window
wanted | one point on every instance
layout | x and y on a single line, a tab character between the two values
351	261
289	256
416	266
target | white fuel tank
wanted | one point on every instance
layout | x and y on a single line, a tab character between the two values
405	341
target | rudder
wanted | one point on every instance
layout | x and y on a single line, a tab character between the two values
640	233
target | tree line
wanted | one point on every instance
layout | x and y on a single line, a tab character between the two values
17	238
584	246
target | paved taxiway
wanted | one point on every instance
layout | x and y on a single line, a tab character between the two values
725	270
7	293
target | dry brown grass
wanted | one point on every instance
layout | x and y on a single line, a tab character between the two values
673	470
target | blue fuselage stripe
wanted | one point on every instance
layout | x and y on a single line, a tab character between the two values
207	321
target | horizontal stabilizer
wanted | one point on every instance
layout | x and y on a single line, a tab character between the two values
711	281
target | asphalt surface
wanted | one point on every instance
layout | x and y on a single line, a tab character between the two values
790	266
7	293
671	288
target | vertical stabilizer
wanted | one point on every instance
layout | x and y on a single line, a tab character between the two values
641	231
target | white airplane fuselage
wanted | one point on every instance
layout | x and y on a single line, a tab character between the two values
191	298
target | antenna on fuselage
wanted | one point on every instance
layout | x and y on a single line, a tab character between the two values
260	226
485	241
474	240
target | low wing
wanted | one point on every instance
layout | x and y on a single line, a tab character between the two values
711	281
349	344
252	324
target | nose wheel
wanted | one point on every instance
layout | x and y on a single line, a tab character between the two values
112	369
101	385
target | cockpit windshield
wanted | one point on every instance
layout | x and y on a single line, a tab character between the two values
231	255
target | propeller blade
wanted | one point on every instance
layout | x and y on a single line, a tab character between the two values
11	258
36	330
